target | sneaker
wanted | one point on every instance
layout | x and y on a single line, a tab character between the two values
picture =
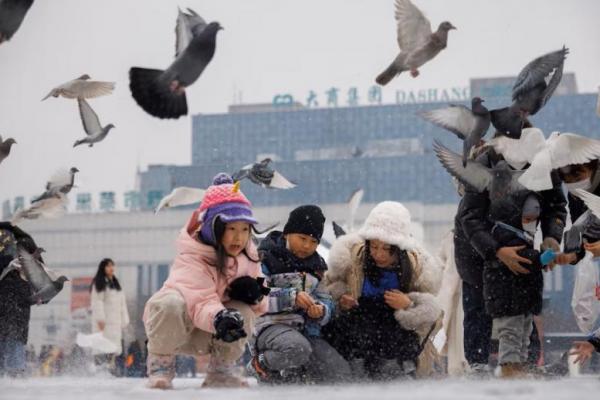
257	369
513	371
161	371
480	371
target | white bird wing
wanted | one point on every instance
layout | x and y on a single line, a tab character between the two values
353	205
186	27
280	182
522	150
571	148
87	89
413	28
537	177
591	201
457	119
59	179
89	119
52	207
181	196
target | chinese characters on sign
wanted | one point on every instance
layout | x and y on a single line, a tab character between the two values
374	96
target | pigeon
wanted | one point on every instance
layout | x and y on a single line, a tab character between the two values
587	226
418	44
590	200
180	196
161	93
353	204
519	152
60	183
500	181
91	125
5	147
559	150
82	87
44	287
530	92
469	125
12	13
52	207
263	175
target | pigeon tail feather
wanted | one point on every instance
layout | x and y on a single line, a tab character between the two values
386	76
154	96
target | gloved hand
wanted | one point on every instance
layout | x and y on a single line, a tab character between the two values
248	290
229	325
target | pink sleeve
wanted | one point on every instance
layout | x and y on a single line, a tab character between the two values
201	297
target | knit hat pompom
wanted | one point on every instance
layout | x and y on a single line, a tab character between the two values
222	179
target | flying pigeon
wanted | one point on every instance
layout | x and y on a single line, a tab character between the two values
44	288
559	150
353	204
91	125
60	183
12	13
5	147
161	93
52	207
82	87
499	181
469	125
519	152
530	92
262	174
181	196
418	44
590	200
587	226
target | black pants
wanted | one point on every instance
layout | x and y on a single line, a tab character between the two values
477	325
371	332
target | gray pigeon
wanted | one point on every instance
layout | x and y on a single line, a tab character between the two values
500	181
262	174
337	229
91	124
60	183
5	147
530	92
44	288
418	44
161	93
587	227
12	13
469	125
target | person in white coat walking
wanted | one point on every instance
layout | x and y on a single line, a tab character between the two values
109	308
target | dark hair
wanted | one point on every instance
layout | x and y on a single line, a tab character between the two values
222	256
100	280
574	170
373	273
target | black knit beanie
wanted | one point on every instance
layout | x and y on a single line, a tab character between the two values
308	220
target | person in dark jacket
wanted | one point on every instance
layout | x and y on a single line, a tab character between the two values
513	292
15	302
288	344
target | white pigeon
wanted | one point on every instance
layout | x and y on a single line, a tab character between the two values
519	152
52	207
353	204
590	200
560	150
181	196
188	25
61	181
91	125
82	87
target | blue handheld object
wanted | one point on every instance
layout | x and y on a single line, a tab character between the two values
547	257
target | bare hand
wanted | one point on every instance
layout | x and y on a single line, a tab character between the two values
566	258
316	311
509	257
583	351
396	299
304	301
593	248
348	302
101	325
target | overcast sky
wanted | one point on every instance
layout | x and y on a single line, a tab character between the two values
267	47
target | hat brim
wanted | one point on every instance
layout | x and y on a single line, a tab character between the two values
237	218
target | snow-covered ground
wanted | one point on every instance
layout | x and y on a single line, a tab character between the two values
65	388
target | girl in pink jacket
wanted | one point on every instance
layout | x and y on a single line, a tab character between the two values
200	309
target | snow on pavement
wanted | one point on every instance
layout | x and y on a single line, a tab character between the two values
65	388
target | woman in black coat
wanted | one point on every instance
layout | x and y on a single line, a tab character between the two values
14	302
